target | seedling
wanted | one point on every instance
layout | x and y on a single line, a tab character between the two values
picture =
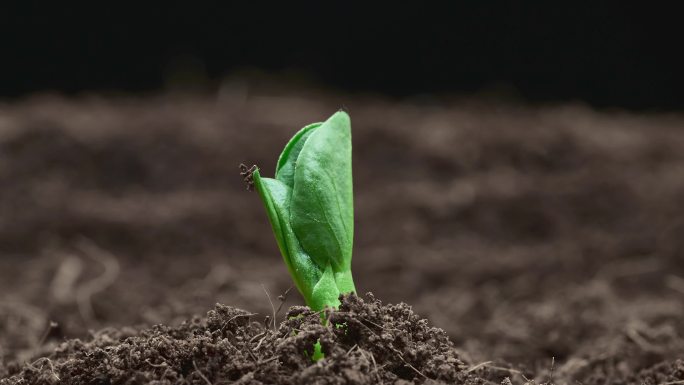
311	209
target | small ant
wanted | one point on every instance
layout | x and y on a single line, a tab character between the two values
246	174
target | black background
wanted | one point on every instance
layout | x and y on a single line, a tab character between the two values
608	55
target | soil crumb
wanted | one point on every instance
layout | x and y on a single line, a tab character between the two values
364	342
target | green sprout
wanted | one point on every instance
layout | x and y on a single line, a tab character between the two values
311	209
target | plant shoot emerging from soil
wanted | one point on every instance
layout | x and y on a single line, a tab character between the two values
311	209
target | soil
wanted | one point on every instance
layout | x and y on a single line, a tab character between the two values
362	343
540	244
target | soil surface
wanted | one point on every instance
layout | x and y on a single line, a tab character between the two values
546	242
362	344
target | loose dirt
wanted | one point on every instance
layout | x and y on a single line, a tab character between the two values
544	241
363	343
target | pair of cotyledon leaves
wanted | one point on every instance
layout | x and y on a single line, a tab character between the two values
311	209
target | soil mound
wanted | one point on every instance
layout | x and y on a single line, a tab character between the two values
364	342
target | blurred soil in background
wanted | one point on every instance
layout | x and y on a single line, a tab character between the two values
529	234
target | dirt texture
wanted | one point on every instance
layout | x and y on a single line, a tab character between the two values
545	241
363	343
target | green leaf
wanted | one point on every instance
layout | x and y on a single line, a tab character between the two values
325	292
318	352
311	209
322	208
288	158
277	197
